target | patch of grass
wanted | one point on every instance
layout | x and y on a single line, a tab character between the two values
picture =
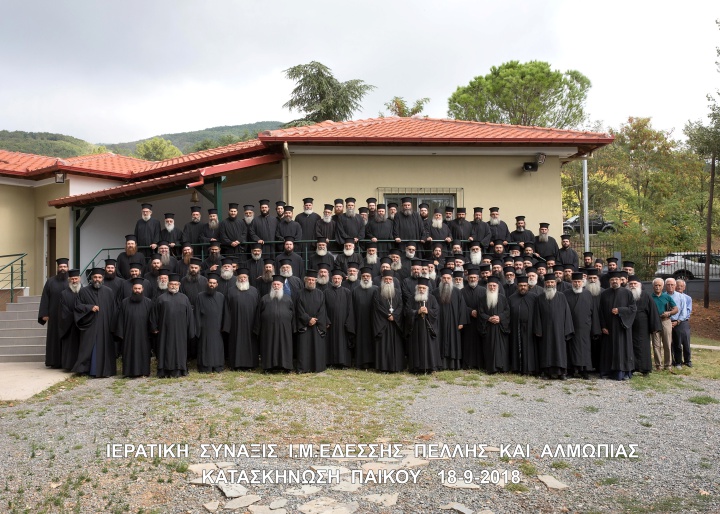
471	411
704	341
702	400
631	505
527	468
609	481
560	464
591	409
517	488
645	424
506	415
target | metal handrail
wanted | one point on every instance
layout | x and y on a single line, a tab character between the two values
19	259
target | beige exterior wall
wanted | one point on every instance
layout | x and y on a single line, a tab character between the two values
485	180
27	208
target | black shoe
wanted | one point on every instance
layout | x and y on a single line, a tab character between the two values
585	376
688	364
562	377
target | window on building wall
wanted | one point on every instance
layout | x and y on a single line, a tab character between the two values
434	197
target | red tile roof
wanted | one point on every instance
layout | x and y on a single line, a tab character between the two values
431	130
232	150
16	163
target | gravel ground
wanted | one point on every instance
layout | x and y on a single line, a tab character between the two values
54	446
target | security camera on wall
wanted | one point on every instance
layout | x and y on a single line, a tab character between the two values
530	166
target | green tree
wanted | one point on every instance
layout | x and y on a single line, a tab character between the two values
523	94
225	140
157	149
399	107
321	96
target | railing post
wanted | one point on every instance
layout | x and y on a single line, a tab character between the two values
12	283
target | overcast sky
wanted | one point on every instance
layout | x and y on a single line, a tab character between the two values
114	71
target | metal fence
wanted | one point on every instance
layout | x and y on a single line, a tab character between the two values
13	277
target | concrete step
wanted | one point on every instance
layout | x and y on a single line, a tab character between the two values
27	348
37	330
21	323
27	299
24	315
23	358
25	306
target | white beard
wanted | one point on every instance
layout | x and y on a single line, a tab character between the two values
308	211
350	213
494	222
365	222
195	221
286	274
432	275
421	297
476	258
577	290
276	294
550	293
532	282
352	278
491	299
410	255
391	216
594	288
323	280
165	258
242	286
146	218
226	274
472	285
327	219
365	284
520	229
321	253
75	288
371	259
459	285
173	289
169	226
256	257
309	286
543	238
162	286
395	266
387	291
213	224
445	291
637	293
509	282
249	219
437	223
348	253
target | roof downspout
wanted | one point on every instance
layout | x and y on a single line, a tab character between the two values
286	173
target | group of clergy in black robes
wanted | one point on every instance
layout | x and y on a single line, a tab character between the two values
376	310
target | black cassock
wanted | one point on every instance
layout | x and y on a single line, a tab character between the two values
339	307
451	315
97	353
647	321
69	333
239	323
263	229
231	230
472	354
132	330
423	345
362	301
209	309
586	324
147	233
298	265
126	290
307	223
526	236
389	344
380	230
172	316
192	288
274	329
191	235
409	228
553	326
495	335
499	231
123	262
349	227
311	351
481	233
616	352
114	283
49	306
545	249
523	345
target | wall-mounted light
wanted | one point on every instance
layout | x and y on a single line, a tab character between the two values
540	158
59	177
194	197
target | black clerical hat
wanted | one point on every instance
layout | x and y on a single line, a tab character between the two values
62	260
74	273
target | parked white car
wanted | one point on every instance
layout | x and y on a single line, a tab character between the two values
687	266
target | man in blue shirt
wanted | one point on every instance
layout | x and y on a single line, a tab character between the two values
661	340
680	327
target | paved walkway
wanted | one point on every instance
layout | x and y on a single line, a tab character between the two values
22	380
704	347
